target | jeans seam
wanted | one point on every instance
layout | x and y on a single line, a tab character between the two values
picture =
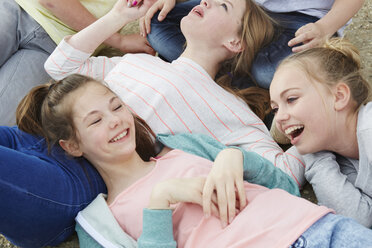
58	235
59	203
12	74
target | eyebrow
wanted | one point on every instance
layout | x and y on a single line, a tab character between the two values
95	111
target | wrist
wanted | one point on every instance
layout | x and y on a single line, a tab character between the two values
116	19
159	198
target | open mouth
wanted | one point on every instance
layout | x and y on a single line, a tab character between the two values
294	131
119	136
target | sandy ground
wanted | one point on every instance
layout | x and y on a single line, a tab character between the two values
359	32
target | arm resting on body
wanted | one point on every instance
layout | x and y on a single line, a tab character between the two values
334	190
257	169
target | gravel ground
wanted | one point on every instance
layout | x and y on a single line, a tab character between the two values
359	32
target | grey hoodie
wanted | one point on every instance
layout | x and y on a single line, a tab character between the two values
342	183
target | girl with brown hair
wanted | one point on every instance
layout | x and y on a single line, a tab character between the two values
182	96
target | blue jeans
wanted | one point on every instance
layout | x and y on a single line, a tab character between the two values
166	38
41	193
335	231
24	47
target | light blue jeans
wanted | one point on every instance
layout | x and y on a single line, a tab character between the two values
335	231
24	47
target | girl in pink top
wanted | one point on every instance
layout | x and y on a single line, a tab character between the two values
182	96
87	119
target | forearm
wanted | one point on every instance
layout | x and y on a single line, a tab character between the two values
91	37
256	168
334	190
259	170
66	60
290	161
341	12
76	16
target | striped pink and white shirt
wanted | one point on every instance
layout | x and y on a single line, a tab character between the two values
177	97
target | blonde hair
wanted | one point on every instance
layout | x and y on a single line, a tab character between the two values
257	30
336	61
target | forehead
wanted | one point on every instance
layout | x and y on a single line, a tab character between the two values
92	95
289	76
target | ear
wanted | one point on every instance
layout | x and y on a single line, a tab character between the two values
71	147
342	96
234	45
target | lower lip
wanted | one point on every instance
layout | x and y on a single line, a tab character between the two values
296	140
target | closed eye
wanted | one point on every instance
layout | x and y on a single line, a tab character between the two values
118	107
95	122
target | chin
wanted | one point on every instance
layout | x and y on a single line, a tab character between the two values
306	150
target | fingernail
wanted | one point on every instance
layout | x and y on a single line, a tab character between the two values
129	4
231	219
135	3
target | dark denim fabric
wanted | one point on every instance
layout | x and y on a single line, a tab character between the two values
41	193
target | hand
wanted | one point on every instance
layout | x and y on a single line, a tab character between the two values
135	43
164	6
310	35
225	178
124	9
176	190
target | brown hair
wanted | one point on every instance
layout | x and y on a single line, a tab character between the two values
337	61
43	112
257	31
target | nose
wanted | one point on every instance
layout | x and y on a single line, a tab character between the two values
114	121
281	115
205	3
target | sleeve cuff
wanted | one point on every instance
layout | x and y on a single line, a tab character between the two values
157	229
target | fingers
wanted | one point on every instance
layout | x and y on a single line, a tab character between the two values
147	18
207	197
241	194
231	200
164	11
222	204
141	23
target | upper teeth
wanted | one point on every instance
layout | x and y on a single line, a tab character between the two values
291	129
119	136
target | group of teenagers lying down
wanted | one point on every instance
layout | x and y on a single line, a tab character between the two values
147	153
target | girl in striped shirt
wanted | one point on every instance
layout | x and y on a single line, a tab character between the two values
182	96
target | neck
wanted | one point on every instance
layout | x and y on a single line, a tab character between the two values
345	140
207	58
120	175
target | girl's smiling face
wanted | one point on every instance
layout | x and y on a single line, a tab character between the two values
105	127
303	109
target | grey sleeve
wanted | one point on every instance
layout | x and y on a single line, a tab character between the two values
334	190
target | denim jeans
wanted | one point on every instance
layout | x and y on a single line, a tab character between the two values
335	231
167	39
24	47
41	193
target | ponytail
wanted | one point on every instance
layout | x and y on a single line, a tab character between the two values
28	114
